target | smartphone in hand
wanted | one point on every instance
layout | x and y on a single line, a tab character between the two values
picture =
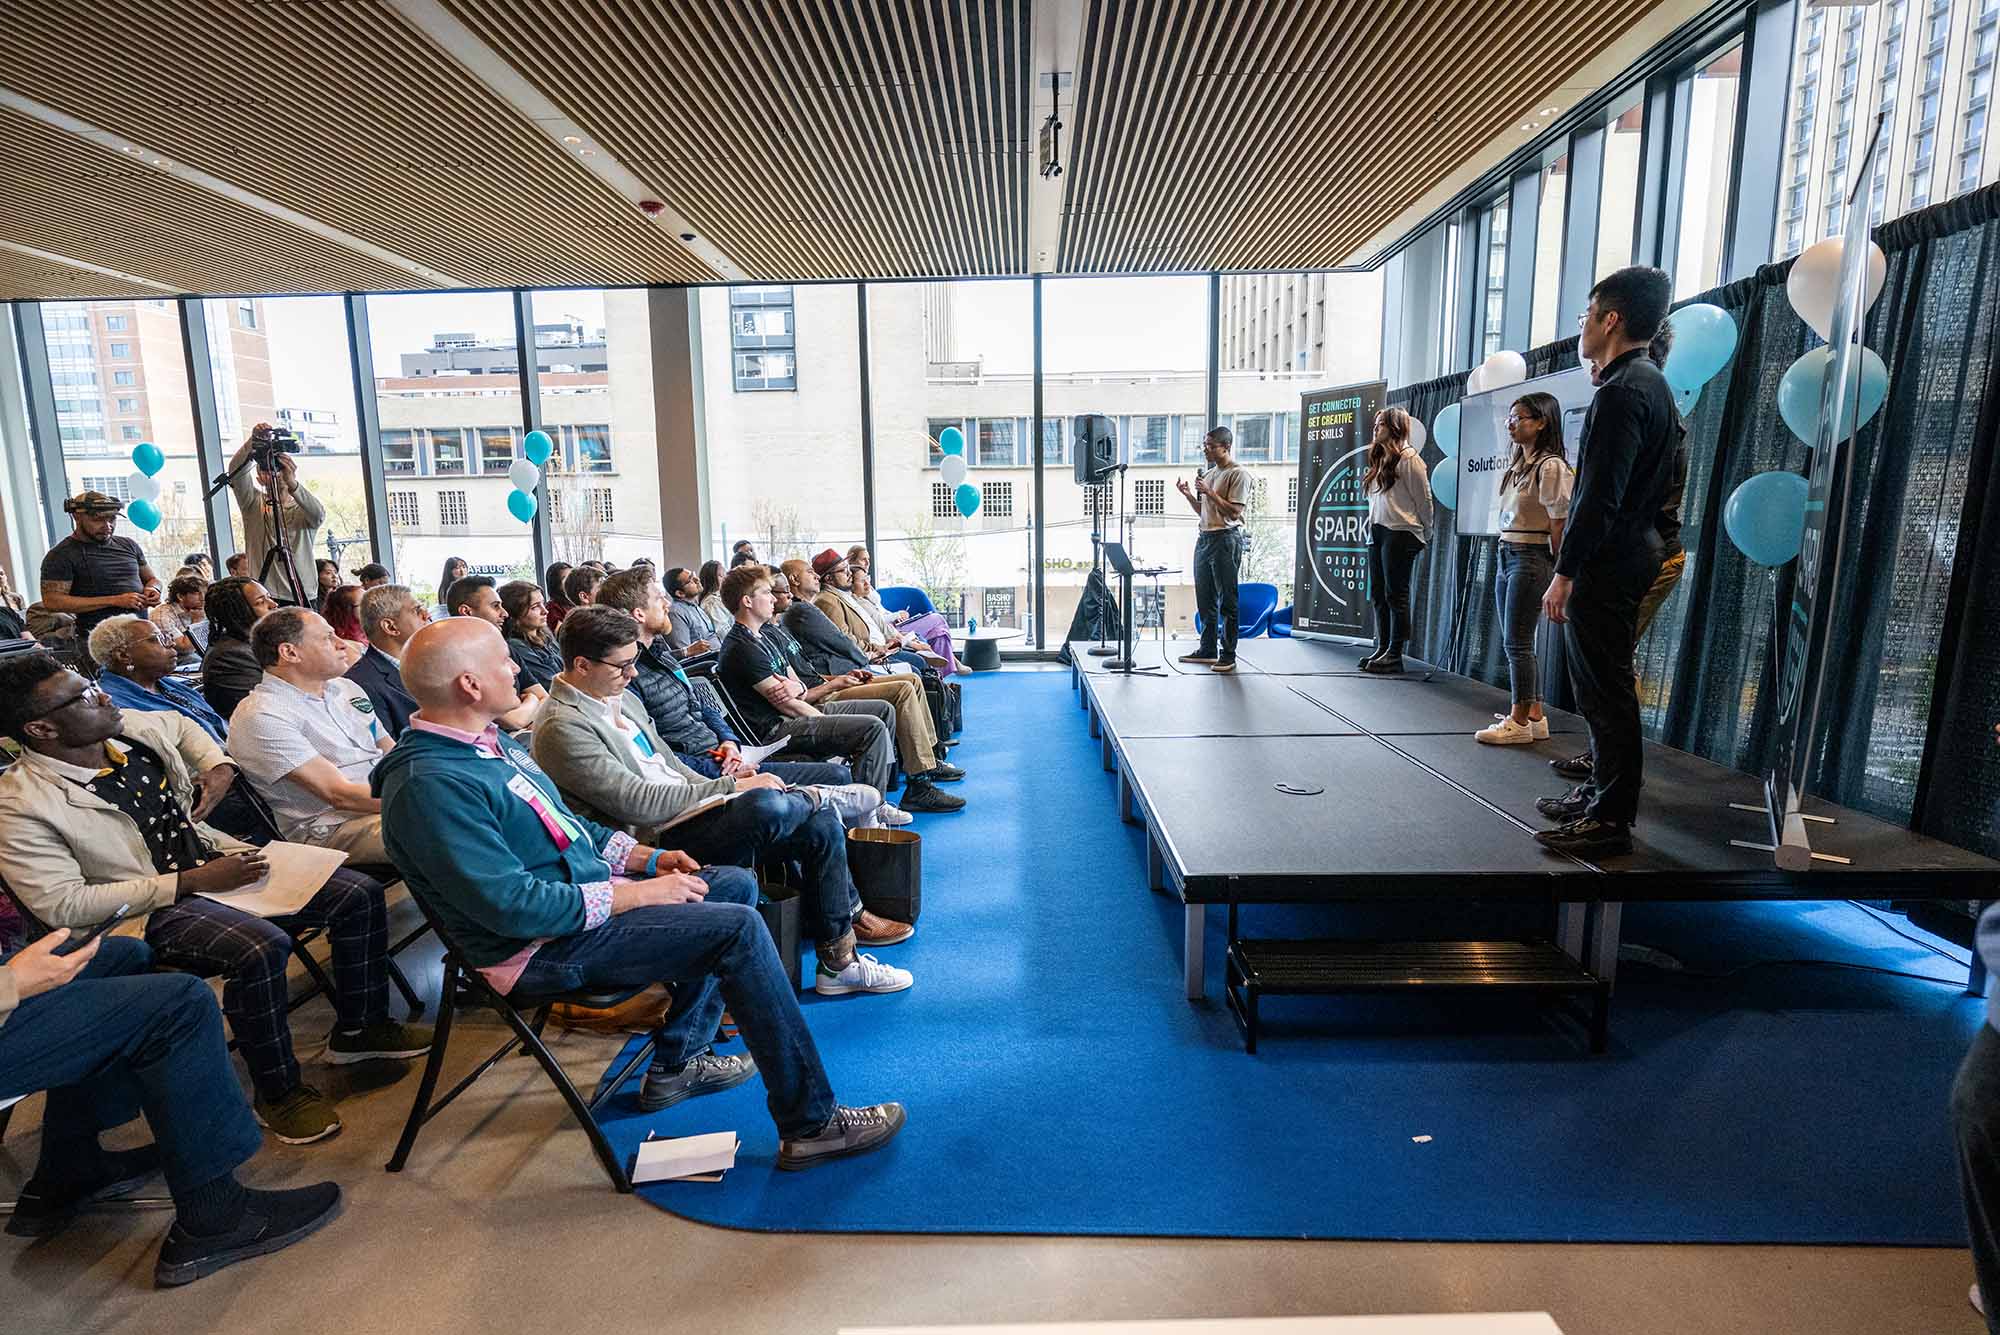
76	943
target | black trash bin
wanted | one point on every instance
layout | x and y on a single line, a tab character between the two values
888	870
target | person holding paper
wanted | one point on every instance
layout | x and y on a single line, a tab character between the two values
596	743
105	808
542	900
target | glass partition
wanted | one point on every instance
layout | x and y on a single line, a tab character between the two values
1711	142
1618	196
594	352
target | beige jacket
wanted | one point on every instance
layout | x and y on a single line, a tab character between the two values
852	624
71	857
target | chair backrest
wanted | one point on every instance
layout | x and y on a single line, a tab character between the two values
1254	605
737	718
906	598
1281	623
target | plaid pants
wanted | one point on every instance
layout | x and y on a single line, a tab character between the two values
251	953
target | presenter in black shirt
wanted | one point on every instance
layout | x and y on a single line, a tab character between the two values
1612	550
93	573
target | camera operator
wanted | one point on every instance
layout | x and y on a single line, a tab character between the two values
280	496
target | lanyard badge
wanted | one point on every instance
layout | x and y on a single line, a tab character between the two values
562	830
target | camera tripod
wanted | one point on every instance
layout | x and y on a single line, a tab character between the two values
280	551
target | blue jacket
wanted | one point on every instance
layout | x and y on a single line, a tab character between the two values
377	674
172	695
478	853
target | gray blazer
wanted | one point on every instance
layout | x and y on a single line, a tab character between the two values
596	770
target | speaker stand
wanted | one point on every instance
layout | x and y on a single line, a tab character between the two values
1100	649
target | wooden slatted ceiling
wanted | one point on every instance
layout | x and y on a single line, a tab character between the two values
342	111
78	199
1251	134
48	280
804	138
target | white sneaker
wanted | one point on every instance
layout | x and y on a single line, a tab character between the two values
1539	726
891	814
1506	733
1977	1300
864	973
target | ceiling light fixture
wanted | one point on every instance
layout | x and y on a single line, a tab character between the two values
1548	111
571	139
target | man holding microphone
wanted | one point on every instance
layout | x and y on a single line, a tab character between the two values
1218	495
274	494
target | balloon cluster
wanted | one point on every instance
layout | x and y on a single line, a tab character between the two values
951	441
1765	516
526	473
1502	369
144	486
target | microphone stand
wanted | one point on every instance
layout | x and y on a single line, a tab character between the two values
1100	649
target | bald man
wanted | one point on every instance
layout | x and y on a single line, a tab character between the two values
541	901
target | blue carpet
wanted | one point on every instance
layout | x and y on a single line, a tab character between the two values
1057	1082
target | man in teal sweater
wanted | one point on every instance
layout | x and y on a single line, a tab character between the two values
542	901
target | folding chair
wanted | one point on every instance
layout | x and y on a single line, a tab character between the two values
525	1016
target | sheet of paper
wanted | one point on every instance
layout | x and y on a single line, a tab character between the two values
297	873
757	755
692	1158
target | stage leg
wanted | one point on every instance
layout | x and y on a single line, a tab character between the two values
1096	725
1125	798
1602	958
1104	747
1570	919
1194	934
1156	864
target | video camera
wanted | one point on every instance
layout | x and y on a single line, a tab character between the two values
268	442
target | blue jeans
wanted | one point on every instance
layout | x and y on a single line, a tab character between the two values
798	773
1524	577
1218	553
713	953
762	824
116	1041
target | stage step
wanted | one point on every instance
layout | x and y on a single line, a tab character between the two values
1274	967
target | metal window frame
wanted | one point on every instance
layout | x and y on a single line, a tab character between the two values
528	369
209	457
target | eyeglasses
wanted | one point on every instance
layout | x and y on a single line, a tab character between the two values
1515	419
92	693
630	666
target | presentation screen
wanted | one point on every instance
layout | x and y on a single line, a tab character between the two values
1484	447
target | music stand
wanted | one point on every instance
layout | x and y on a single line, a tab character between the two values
1114	555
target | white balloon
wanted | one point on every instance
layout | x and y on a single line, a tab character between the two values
1504	368
1814	282
142	488
1418	435
524	476
952	469
1476	382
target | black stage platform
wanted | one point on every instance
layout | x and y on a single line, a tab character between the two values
1413	809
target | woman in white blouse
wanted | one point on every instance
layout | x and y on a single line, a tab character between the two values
1534	502
1399	517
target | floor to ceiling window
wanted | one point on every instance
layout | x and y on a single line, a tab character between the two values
1542	324
595	374
1618	194
1493	296
1710	91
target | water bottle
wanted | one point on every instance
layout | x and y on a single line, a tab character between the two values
971	627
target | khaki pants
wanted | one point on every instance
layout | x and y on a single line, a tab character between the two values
916	739
1671	570
360	839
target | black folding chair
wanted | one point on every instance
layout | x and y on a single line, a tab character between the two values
525	1016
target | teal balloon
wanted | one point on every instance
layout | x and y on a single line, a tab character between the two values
146	457
1766	517
536	447
966	498
1444	482
145	514
1704	341
1685	399
521	505
1444	430
951	441
1799	393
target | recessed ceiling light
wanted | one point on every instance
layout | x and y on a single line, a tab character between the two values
571	139
588	152
1548	111
1526	125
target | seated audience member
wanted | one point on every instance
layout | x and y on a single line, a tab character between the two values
580	585
926	633
856	619
390	614
475	596
710	578
766	686
527	633
199	563
595	741
307	738
832	652
916	733
236	566
741	552
372	576
552	590
526	887
691	725
329	580
693	631
229	669
343	613
13	611
185	620
108	1041
138	667
106	808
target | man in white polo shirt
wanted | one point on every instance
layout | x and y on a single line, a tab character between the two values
307	738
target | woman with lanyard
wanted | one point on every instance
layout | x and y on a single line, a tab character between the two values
1534	501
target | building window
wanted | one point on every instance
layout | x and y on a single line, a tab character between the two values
448	451
399	452
600	504
997	499
1149	496
496	449
1151	437
403	509
116	324
935	428
762	337
115	487
589	448
766	370
122	351
1291	495
996	442
942	504
1055	442
451	509
246	313
1097	498
1253	439
128	405
555	506
1260	496
119	378
128	432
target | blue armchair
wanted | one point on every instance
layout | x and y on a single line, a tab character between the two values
905	598
1254	605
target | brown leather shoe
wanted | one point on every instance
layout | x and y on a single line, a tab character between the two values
640	1013
872	929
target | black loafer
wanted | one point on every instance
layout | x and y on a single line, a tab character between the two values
46	1207
272	1221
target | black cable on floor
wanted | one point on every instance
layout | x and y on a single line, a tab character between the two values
1934	948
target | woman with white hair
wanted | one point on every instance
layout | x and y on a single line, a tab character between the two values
138	663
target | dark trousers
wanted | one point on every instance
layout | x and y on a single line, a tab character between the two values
1392	556
857	731
714	953
798	773
116	1041
1598	640
252	954
1218	553
765	823
1975	1125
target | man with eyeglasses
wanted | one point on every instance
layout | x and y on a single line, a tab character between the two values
106	808
690	632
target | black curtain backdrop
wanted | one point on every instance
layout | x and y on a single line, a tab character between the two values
1915	672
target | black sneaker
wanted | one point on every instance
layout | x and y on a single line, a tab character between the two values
1225	664
950	742
709	1073
1384	663
943	773
919	794
1574	767
1587	837
272	1221
46	1207
1568	807
851	1131
1202	656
